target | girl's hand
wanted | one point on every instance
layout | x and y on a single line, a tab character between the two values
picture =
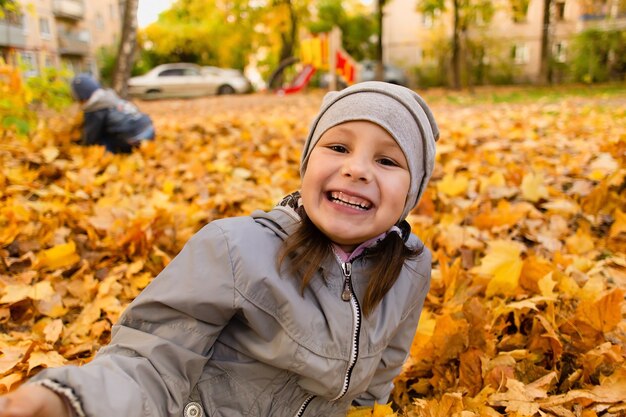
32	401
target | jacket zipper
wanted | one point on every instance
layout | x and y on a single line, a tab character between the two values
347	294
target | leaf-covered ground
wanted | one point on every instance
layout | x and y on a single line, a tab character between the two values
526	217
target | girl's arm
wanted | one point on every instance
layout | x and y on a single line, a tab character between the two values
163	340
32	400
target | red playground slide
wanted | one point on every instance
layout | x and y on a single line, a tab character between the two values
299	82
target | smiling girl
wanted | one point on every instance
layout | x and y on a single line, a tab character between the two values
299	311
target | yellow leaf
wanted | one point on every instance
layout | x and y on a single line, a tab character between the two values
503	262
453	185
363	411
533	188
383	410
619	225
50	153
10	356
59	256
53	330
168	187
51	359
546	285
494	180
7	382
15	293
40	291
579	243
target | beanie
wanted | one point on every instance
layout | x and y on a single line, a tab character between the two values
83	86
398	110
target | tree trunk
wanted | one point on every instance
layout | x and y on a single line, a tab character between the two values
456	46
125	56
379	73
545	67
288	40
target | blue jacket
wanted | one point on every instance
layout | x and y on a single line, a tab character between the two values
115	123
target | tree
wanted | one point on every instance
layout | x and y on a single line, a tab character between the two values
8	6
545	65
465	15
355	21
380	69
125	56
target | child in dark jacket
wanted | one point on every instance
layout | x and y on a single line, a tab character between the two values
109	120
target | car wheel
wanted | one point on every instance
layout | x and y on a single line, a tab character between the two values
225	89
152	93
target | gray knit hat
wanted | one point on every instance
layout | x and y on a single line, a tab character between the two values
398	110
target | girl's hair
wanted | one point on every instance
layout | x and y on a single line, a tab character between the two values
307	247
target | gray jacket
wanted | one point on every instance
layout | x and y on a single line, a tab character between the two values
221	332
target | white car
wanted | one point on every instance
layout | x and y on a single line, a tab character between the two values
187	80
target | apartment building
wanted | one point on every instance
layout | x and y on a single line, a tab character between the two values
411	39
59	33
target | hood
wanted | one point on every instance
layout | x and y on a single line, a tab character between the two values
282	220
101	99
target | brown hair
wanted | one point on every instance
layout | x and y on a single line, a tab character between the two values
307	247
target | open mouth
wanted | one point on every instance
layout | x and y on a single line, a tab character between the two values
349	201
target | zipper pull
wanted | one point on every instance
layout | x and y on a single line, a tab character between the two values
346	294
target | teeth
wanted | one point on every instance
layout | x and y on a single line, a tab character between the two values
349	201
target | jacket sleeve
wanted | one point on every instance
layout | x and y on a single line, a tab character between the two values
396	352
93	127
164	338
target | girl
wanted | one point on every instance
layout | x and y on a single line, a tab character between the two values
300	311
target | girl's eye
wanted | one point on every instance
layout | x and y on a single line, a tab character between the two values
338	148
388	162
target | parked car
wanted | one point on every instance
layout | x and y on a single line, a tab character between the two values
187	80
392	74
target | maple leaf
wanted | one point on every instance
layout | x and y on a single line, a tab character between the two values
504	264
533	188
453	185
619	225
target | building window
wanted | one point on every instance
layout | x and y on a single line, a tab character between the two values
427	20
559	51
49	61
44	27
559	8
112	11
99	22
520	53
29	61
24	22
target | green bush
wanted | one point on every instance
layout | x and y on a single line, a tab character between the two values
20	100
598	56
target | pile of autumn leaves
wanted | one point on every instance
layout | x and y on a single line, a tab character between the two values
525	216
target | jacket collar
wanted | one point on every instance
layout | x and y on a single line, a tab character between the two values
284	218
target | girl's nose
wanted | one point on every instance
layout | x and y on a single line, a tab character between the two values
357	169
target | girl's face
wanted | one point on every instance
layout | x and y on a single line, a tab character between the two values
356	183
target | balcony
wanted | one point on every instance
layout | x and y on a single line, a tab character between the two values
12	35
69	9
602	22
72	44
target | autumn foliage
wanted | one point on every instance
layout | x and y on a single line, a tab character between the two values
526	217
